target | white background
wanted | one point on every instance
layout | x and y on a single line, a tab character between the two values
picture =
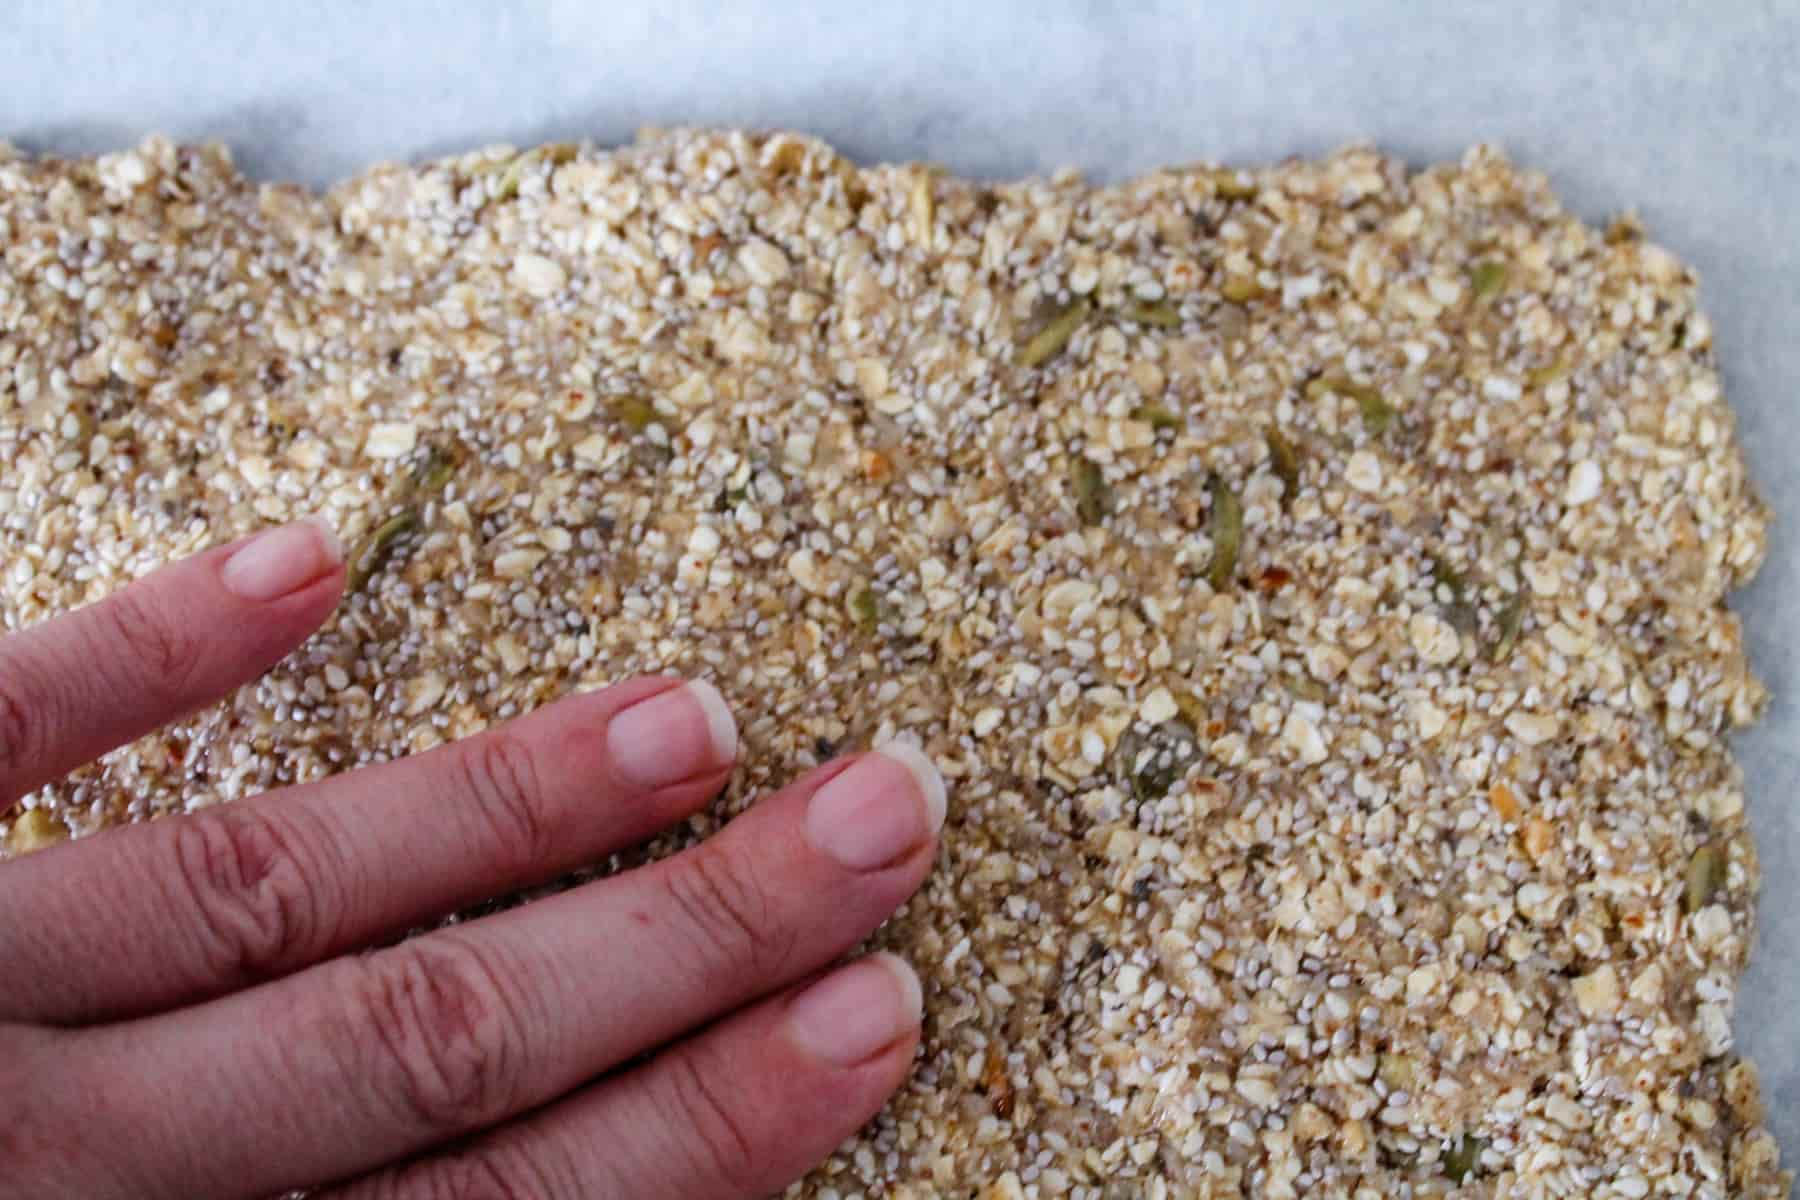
1688	112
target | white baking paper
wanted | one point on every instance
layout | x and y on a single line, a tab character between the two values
1686	111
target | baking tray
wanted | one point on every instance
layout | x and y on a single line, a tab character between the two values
1684	112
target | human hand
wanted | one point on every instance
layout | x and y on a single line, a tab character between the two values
187	1009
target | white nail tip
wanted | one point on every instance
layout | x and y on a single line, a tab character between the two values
721	727
908	979
328	537
925	772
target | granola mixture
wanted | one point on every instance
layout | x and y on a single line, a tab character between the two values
1310	579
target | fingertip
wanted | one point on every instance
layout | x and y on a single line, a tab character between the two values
911	990
926	775
875	814
330	544
672	735
282	562
721	726
858	1011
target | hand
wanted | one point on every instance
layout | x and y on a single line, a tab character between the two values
187	1008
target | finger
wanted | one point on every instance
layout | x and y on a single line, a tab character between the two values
740	1110
76	686
173	911
455	1030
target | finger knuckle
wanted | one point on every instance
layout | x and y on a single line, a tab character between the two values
500	778
725	1153
21	723
160	652
442	1020
244	883
727	912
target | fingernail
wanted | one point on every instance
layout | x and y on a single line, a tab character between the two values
674	735
889	803
274	564
855	1012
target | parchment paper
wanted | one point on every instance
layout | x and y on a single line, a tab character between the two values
1687	112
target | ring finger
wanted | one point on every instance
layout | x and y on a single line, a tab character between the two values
737	1111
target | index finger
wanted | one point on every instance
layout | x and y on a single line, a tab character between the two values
173	911
81	684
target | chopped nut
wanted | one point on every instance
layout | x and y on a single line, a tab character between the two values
433	472
635	412
514	173
394	439
1742	1090
34	829
1625	227
1597	993
1400	1072
922	205
1705	876
513	658
424	692
763	262
1434	639
1159	706
865	609
1505	802
1093	496
1487	278
374	551
539	276
1508	623
1160	313
1377	414
1233	185
1241	289
1429	718
1257	1090
1054	334
1286	460
1537	836
1534	729
518	564
1305	688
1226	529
1156	416
1584	483
1464	1157
1363	470
1156	761
807	571
1303	738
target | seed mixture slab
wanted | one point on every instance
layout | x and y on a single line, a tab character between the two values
1311	580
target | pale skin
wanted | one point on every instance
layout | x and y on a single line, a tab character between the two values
190	1006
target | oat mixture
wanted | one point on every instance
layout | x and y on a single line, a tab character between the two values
1310	579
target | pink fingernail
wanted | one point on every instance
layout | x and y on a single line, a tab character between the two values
854	1013
282	561
888	804
674	735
